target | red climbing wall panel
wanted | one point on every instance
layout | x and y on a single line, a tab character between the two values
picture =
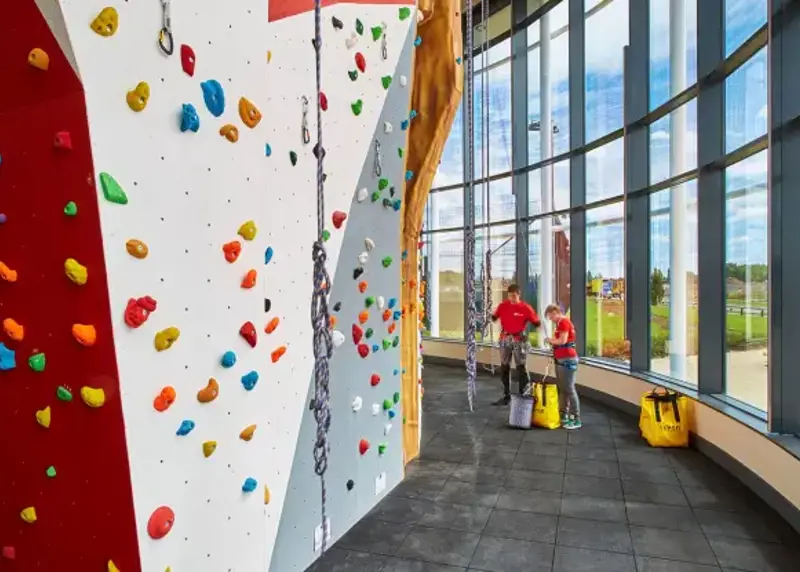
279	9
85	513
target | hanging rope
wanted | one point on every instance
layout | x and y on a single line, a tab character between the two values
487	242
320	316
469	230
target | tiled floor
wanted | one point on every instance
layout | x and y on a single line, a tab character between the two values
486	497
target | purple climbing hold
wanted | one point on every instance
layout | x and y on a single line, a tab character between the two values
3	218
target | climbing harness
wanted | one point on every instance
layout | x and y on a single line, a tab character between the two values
378	167
384	48
165	42
304	124
320	315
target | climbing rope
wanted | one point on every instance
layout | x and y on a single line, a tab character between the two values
469	230
320	316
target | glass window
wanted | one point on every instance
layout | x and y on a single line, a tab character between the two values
674	302
502	204
604	171
451	167
498	82
443	272
673	143
667	77
604	66
746	281
445	209
605	283
742	19
501	241
746	98
548	276
559	184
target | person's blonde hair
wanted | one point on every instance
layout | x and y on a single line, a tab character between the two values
552	308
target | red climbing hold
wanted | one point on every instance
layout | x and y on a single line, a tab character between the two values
232	250
248	332
9	553
63	140
138	310
160	522
357	333
362	286
363	350
374	380
187	60
386	315
363	446
338	219
323	101
361	63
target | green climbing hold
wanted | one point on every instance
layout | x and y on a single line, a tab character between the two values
356	106
386	261
382	448
382	184
37	362
369	301
387	344
377	32
368	333
326	235
375	196
400	152
386	81
404	12
51	471
71	209
387	404
293	158
111	190
353	75
63	393
396	397
359	27
396	341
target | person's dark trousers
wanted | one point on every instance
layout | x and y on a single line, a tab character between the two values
522	378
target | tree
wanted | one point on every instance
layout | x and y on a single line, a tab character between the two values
657	289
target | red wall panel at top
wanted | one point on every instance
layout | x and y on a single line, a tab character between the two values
279	9
85	513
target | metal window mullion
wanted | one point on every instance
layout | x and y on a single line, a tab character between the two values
519	135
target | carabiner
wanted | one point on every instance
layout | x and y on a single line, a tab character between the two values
304	125
165	41
378	166
384	49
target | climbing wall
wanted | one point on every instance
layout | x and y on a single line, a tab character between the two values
163	269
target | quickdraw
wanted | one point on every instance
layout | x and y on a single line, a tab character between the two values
306	135
165	42
378	160
384	48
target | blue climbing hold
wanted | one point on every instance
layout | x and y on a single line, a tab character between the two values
228	359
392	414
8	358
395	372
213	96
404	124
409	175
3	218
397	314
268	255
392	302
249	485
417	41
458	60
375	348
249	380
412	114
185	428
190	121
404	255
267	150
396	205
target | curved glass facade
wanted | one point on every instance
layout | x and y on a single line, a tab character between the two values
628	173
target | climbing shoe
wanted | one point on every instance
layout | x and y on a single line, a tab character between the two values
505	400
573	424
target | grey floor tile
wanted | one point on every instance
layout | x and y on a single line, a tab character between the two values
591	453
490	458
649	457
447	453
749	527
534	481
580	533
551	449
545	436
719	499
593	486
543	463
662	516
439	546
636	472
377	536
404	565
399	509
739	554
655	493
672	545
660	565
544	502
711	477
593	508
455	517
480	474
522	525
569	559
422	468
605	469
414	487
590	440
336	560
507	555
463	492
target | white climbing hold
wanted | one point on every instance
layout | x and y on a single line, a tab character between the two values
351	41
387	428
363	258
376	408
362	195
387	127
381	302
420	16
337	338
403	80
357	404
369	243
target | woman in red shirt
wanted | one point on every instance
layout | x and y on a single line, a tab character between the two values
566	358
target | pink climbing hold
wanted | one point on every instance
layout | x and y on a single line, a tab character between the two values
323	101
338	219
361	63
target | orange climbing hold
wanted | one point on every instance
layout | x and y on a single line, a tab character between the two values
247	432
13	330
386	315
7	274
137	248
412	283
278	353
232	250
85	335
363	317
210	392
332	321
362	286
273	323
39	59
164	399
392	327
229	132
249	113
249	279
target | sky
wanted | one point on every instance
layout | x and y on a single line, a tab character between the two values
745	115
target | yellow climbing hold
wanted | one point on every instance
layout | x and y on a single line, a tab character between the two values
266	494
28	514
138	97
208	448
248	230
76	271
269	56
106	22
112	567
39	59
43	417
165	338
93	397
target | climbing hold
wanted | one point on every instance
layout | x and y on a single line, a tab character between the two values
368	333
396	205
9	552
359	27
377	32
375	348
8	359
165	338
229	132
396	397
39	59
37	361
71	209
338	219
190	119
357	106
357	272
249	380
326	235
363	317
112	191
363	350
3	218
396	315
161	521
350	484
228	359
267	150
417	41
266	494
369	243
412	114
356	405
248	230
188	60
210	392
361	195
86	335
63	394
369	301
403	80
249	485
382	184
63	140
232	250
353	75
248	332
357	333
214	96
374	380
185	428
137	248
404	124
278	353
395	341
273	323
208	448
376	409
387	127
386	344
361	62
387	203
351	42
386	81
249	113
391	328
293	158
337	23
247	433
363	258
386	261
332	321
76	271
337	306
165	399
382	448
409	175
323	101
267	304
93	397
404	255
113	567
363	446
387	428
387	404
337	338
400	152
381	302
458	60
138	310
404	12
269	56
138	97
106	22
43	417
13	330
28	514
387	315
395	371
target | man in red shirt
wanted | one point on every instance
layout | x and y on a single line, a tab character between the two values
514	316
566	358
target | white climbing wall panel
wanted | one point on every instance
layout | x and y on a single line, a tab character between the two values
188	195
